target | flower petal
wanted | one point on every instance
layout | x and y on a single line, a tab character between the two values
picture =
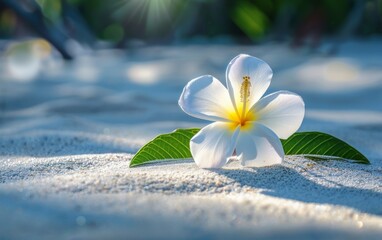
205	97
213	144
260	74
259	147
281	111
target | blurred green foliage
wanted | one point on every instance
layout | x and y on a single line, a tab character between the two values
118	20
51	9
250	19
114	32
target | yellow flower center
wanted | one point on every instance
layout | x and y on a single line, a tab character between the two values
242	117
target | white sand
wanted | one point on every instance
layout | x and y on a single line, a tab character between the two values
66	140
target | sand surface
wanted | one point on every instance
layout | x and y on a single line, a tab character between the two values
66	139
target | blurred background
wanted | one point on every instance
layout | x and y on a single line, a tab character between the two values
70	24
126	61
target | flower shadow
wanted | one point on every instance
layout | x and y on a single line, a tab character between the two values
285	182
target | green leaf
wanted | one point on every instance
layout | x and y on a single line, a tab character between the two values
314	145
171	146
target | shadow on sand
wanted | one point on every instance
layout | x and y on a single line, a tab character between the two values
284	182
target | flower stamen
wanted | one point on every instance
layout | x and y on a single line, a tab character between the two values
245	89
245	92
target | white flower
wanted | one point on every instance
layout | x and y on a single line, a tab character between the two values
243	121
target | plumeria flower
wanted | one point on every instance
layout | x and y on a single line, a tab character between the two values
243	122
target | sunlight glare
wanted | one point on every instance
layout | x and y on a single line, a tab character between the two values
156	14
